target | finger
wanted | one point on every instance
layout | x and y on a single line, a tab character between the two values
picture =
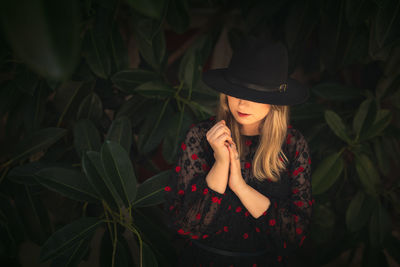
216	130
222	138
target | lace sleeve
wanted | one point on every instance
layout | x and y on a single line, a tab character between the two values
287	220
190	205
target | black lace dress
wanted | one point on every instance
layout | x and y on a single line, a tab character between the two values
202	215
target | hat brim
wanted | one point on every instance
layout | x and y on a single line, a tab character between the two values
294	94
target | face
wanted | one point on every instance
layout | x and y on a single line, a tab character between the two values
256	112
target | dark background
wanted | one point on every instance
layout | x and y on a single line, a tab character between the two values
115	85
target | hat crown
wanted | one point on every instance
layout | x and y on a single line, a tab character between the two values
260	62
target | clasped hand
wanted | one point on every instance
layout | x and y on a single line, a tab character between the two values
236	180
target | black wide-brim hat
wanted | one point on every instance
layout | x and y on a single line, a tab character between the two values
258	72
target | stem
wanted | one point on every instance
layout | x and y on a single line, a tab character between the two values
114	244
108	220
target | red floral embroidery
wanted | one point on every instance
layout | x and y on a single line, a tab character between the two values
290	126
192	125
275	205
225	228
194	156
247	165
248	142
198	216
246	214
195	237
167	188
289	136
216	200
183	146
284	244
295	191
272	222
298	170
194	188
280	158
296	218
229	208
178	168
299	231
212	118
205	191
218	232
297	153
205	167
255	265
279	258
264	213
257	229
171	207
205	236
239	209
310	203
302	240
181	192
299	203
245	235
309	161
182	232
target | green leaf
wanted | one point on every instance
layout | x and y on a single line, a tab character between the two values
155	89
121	132
119	169
38	141
73	256
86	137
128	80
362	120
95	48
154	128
335	91
180	122
178	16
358	212
337	125
151	8
97	177
25	174
34	214
67	182
149	259
379	226
44	34
327	173
91	108
382	120
123	255
151	42
367	173
120	57
151	191
69	236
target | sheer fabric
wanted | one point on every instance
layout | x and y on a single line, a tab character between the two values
195	211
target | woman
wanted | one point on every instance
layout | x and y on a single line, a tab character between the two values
241	191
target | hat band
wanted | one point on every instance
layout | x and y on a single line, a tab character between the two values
281	88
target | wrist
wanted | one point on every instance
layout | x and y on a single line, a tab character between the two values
240	188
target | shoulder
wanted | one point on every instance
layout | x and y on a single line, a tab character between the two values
295	141
294	136
201	128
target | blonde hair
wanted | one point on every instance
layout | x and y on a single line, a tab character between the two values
269	159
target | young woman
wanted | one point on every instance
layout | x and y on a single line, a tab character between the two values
241	191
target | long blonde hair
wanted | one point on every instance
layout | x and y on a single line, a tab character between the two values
269	159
